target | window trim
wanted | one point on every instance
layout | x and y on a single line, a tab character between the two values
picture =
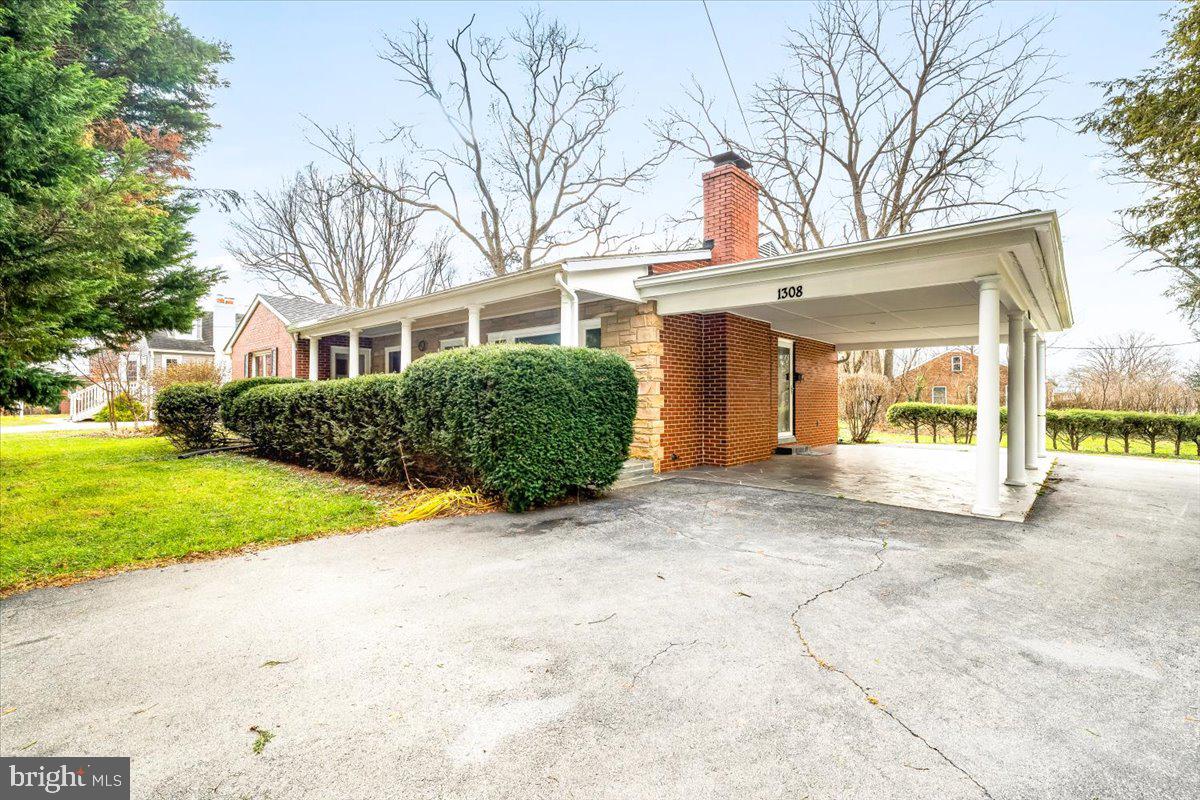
452	342
387	360
253	355
345	349
933	395
953	358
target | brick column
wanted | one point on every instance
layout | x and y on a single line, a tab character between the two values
635	332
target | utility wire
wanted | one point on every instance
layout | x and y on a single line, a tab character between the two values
725	64
1117	347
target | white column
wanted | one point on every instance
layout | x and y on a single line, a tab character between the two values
405	343
987	450
353	360
1031	404
1041	401
473	325
314	356
568	319
1016	400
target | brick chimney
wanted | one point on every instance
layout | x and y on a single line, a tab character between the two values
731	209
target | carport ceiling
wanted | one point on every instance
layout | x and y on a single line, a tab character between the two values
932	315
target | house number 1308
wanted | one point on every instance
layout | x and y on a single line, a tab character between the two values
790	292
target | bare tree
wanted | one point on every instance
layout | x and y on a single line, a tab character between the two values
331	237
889	118
1129	372
525	172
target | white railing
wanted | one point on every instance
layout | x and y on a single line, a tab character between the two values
88	401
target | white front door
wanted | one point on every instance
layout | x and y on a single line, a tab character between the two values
787	395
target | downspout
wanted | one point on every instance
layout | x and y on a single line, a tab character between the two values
568	325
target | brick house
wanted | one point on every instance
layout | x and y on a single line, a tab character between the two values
734	344
948	378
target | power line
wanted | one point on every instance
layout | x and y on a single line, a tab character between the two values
1118	347
725	64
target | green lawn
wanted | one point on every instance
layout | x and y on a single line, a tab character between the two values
1094	444
9	421
79	504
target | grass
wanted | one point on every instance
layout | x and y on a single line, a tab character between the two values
75	506
1094	444
12	421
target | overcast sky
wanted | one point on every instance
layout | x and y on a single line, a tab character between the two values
293	60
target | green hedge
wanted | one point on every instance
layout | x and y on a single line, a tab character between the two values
528	423
231	391
1074	425
353	426
188	414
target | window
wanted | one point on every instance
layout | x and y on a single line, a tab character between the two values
786	401
260	363
195	332
938	394
956	363
340	357
391	358
450	344
589	335
131	369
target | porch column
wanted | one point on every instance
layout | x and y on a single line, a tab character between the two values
473	325
1016	399
987	449
1041	402
353	359
1031	403
405	343
568	319
314	354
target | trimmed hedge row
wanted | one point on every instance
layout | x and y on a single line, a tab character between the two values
530	424
350	426
188	414
1074	424
231	391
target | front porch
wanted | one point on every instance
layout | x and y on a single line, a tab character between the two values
927	477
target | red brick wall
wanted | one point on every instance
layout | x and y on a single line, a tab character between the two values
677	266
719	384
683	386
960	386
731	214
263	331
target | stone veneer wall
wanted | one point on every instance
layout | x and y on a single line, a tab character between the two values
635	332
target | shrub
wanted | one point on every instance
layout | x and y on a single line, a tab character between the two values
188	413
351	426
234	389
526	423
186	372
123	408
860	395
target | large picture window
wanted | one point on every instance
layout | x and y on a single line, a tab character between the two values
589	335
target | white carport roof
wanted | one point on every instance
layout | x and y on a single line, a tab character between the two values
915	289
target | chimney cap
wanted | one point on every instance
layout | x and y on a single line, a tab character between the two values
730	157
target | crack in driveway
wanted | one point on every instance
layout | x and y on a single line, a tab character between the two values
650	663
825	665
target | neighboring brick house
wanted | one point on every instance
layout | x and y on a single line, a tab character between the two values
734	343
951	377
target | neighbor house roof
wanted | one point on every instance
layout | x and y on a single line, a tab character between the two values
171	341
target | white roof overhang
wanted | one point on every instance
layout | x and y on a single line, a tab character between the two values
910	290
599	276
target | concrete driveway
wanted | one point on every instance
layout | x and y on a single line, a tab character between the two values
679	640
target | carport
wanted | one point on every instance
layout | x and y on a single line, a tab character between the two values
948	286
